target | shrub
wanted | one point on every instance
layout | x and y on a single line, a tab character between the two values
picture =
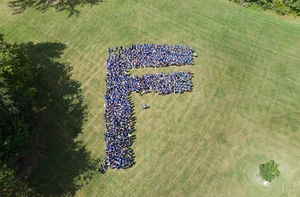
269	170
281	7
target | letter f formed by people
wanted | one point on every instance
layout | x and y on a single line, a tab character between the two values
118	110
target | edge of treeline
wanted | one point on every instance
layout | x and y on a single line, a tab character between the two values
281	7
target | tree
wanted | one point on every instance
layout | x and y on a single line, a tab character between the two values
281	7
269	170
16	109
10	184
16	100
20	6
41	114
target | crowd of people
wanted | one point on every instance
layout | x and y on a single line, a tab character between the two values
162	83
118	111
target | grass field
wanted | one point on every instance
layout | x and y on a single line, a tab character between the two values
244	109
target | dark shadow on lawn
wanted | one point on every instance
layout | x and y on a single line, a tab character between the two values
57	164
19	6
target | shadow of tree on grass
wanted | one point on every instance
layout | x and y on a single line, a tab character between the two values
19	6
57	164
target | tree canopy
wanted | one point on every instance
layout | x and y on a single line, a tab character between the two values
20	6
281	7
16	100
269	170
16	107
41	114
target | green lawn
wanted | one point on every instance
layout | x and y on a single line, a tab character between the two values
244	109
